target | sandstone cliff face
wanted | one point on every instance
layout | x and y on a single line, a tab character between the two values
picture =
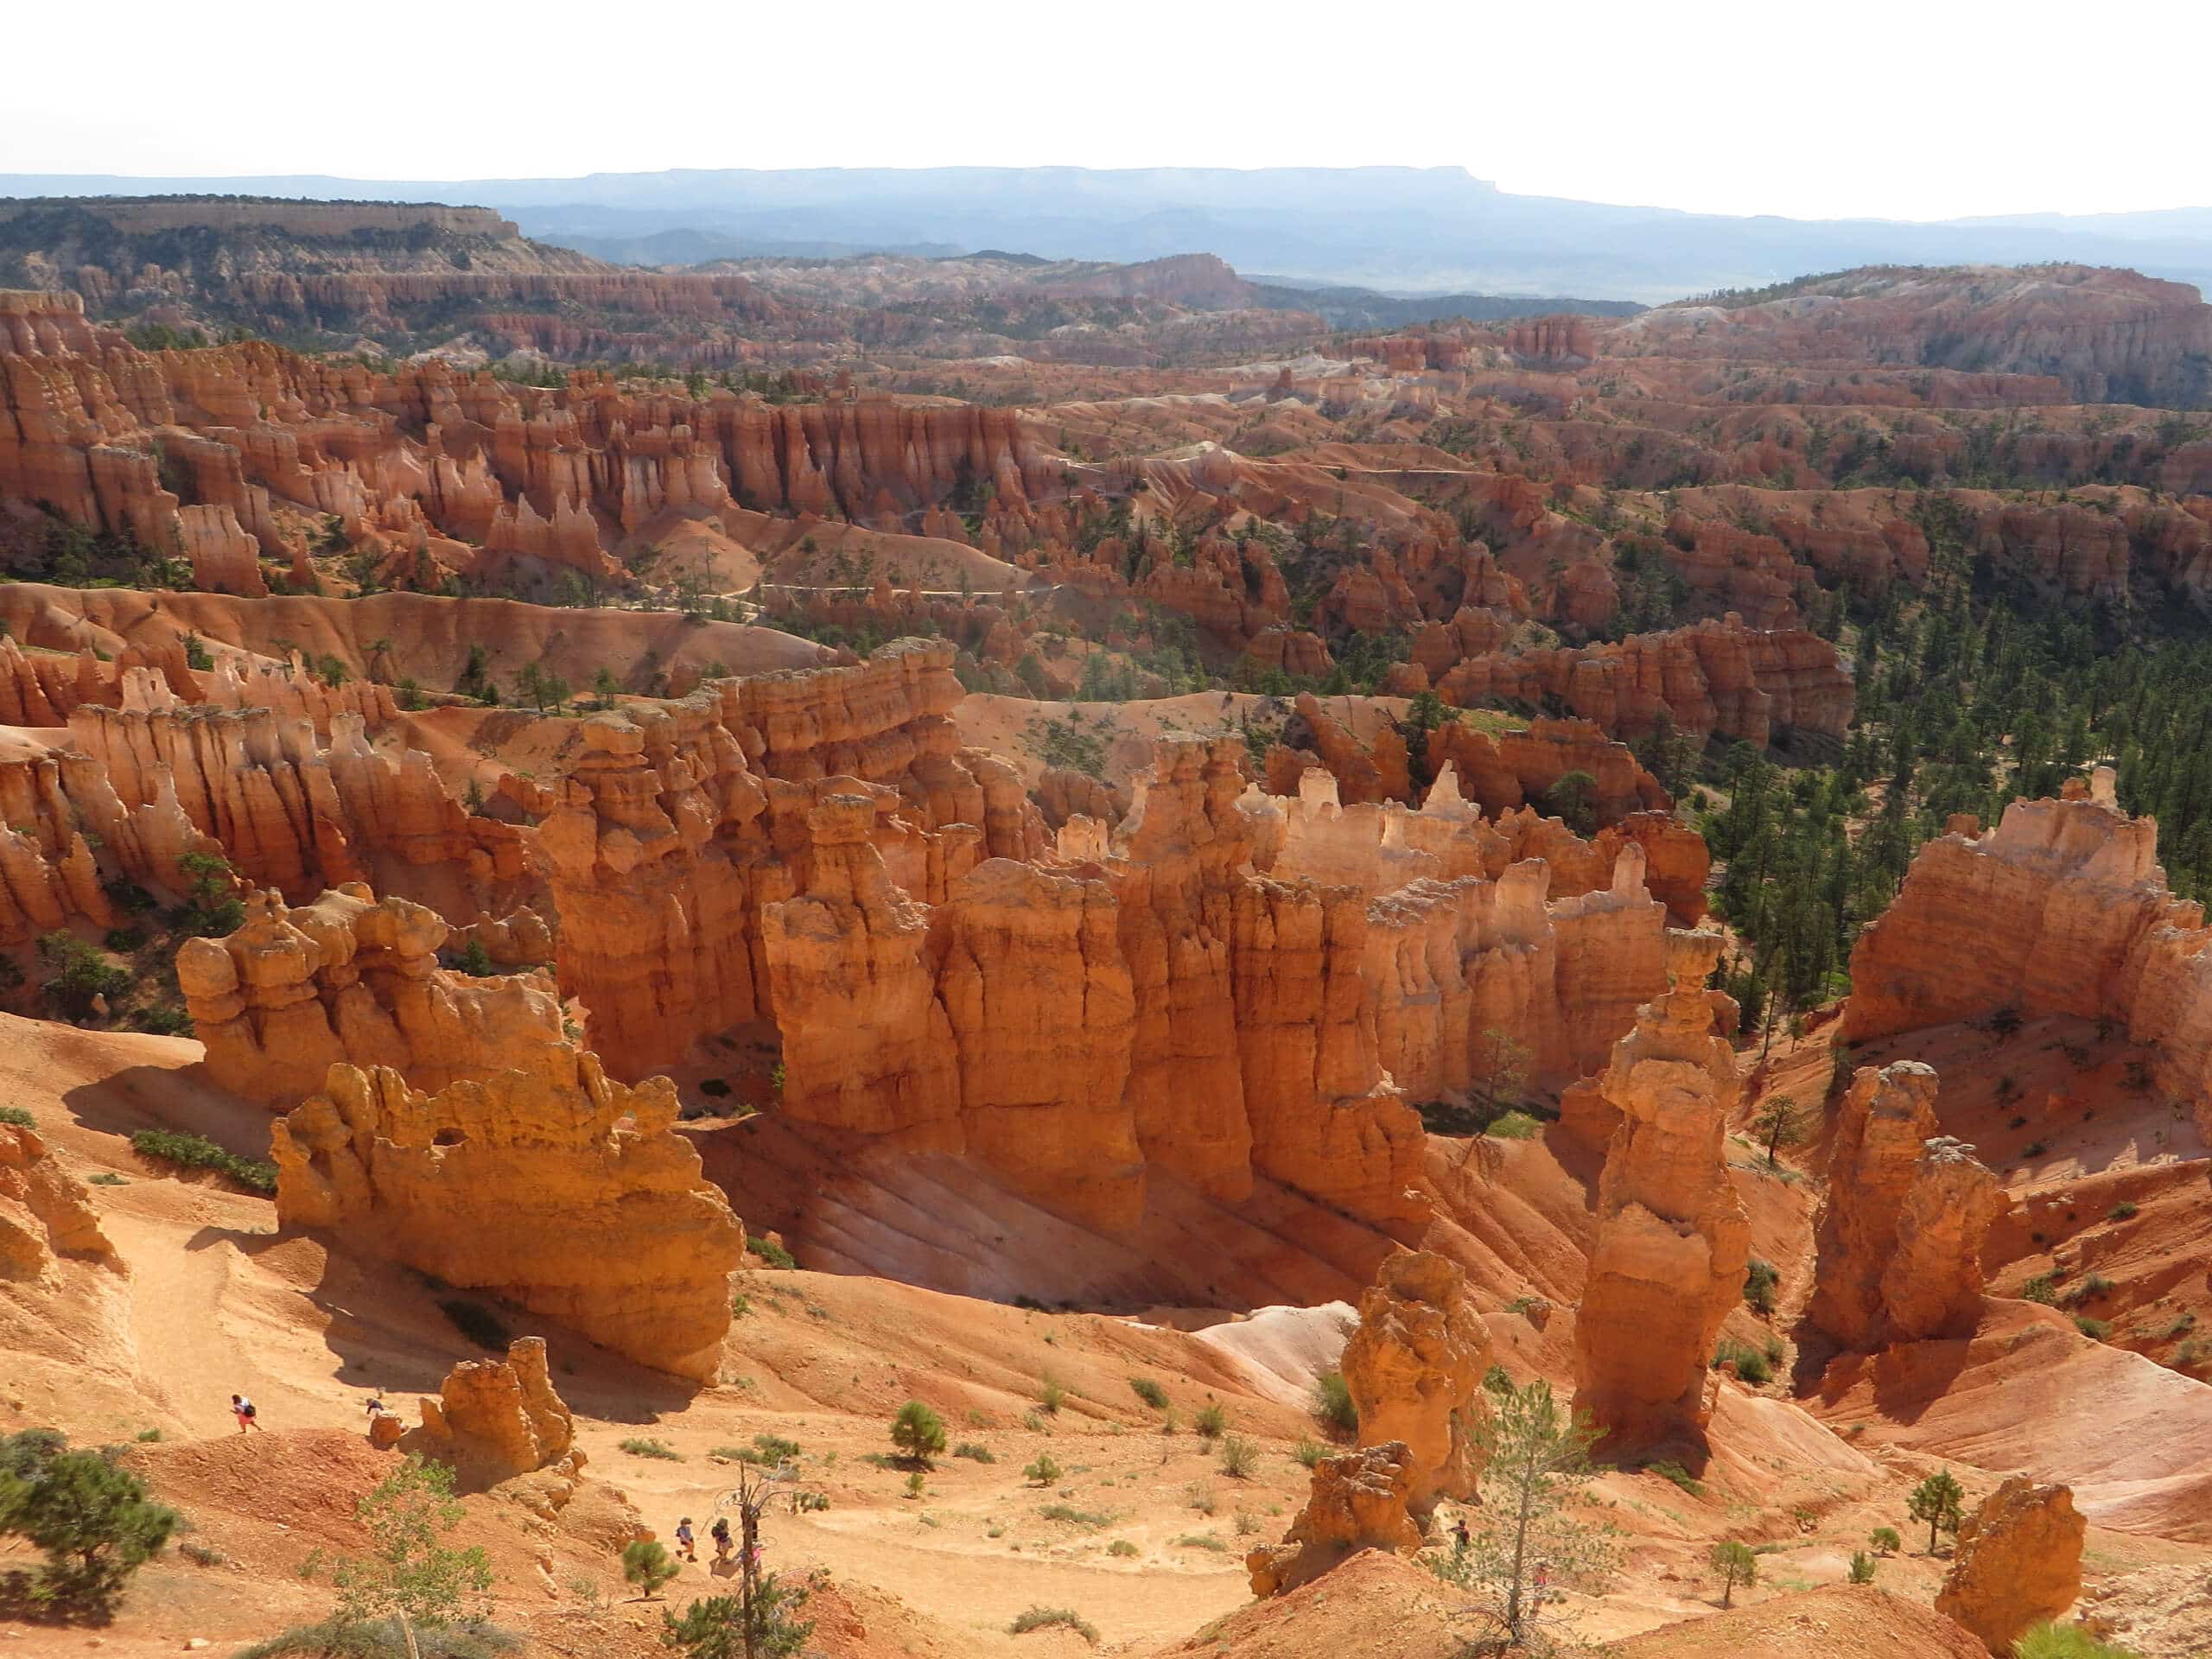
2016	1564
1672	1237
564	1192
2061	909
495	1418
350	979
1415	1368
1358	1501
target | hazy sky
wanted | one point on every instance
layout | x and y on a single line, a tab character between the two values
1917	111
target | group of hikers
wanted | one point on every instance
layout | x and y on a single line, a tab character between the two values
687	1546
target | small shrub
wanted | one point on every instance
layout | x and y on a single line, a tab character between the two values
2034	1149
1200	1496
1761	1280
1150	1392
189	1151
771	1252
1862	1567
2182	1325
2097	1330
1051	1394
767	1450
124	940
1886	1540
2120	1212
1751	1364
1202	1541
1210	1420
1308	1452
162	1019
975	1452
1069	1513
1514	1126
106	1178
148	1436
916	1483
918	1432
2064	1642
2088	1289
1240	1458
1044	1471
648	1565
1121	1547
18	1117
1042	1618
202	1554
2043	1288
479	1324
660	1449
1034	1421
1680	1476
1334	1404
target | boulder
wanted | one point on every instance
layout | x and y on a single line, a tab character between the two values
1358	1501
2017	1562
495	1418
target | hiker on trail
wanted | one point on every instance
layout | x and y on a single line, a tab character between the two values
375	1405
1460	1540
242	1408
720	1533
685	1540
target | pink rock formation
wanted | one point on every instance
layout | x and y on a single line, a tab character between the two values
350	978
563	1192
1414	1368
2061	909
1672	1237
2017	1562
1358	1501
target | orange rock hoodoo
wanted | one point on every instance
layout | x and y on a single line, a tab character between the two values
562	1191
495	1418
1414	1368
1898	1238
1672	1237
353	980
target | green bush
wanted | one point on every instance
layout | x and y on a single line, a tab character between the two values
1514	1126
1761	1280
648	1565
189	1151
771	1252
17	1117
2097	1329
1886	1540
91	1517
1043	1618
1862	1567
2043	1288
1045	1472
659	1450
1210	1420
975	1452
2120	1212
1309	1451
2064	1642
1202	1541
124	940
767	1450
106	1178
1240	1458
1068	1512
1680	1476
1049	1393
1753	1366
918	1432
1121	1547
478	1323
1150	1392
81	973
1334	1404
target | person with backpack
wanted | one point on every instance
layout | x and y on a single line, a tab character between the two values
720	1533
685	1542
242	1408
